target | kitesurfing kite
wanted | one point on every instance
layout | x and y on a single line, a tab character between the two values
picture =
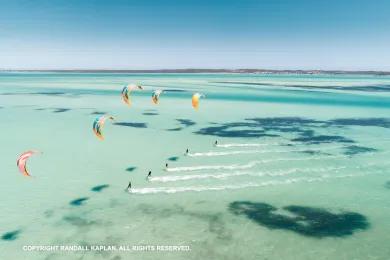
98	125
156	95
195	99
127	90
22	161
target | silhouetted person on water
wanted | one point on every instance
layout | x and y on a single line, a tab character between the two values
166	165
129	186
216	143
187	151
149	174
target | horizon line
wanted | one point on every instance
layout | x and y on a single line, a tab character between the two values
206	70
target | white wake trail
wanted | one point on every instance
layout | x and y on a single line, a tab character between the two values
171	190
212	167
248	165
244	145
304	159
173	178
212	153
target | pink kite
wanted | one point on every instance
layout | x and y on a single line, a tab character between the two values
22	160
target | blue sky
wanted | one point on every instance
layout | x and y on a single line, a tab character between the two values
155	34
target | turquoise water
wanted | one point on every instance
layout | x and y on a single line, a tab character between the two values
300	170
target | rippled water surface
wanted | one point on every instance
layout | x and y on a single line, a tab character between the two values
300	169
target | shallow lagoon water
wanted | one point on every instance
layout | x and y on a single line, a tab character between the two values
300	171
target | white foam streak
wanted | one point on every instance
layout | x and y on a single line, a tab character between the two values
244	145
171	190
199	154
247	165
196	176
239	173
304	159
211	153
309	147
212	167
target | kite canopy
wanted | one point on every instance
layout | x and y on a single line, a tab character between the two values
22	161
127	90
98	125
195	99
156	95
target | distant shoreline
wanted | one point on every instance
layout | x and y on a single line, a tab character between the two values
234	71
